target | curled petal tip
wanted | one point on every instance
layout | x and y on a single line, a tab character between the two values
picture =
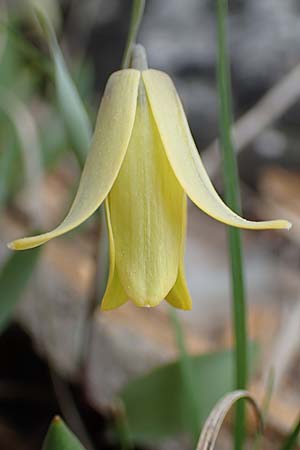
288	225
281	225
26	243
16	245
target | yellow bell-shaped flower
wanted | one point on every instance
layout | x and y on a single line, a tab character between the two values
143	162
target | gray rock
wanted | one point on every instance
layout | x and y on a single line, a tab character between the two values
180	38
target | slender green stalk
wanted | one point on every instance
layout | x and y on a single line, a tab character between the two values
292	439
135	22
234	235
121	426
189	383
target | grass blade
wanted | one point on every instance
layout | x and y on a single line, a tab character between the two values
70	104
232	197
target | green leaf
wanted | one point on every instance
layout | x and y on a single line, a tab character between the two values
71	107
156	403
72	110
53	138
14	276
10	60
59	437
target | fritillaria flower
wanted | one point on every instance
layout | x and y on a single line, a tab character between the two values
143	162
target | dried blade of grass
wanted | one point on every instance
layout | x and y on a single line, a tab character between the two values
265	407
264	113
70	411
216	418
286	345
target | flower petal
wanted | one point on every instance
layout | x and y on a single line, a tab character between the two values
146	210
114	295
110	141
183	155
179	295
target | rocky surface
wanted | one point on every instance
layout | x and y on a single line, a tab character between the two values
264	36
180	38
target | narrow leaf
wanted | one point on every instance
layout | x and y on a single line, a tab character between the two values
59	437
71	107
14	276
27	136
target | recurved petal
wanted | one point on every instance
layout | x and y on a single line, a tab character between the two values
114	295
179	295
183	155
109	144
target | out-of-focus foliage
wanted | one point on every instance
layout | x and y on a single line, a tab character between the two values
14	276
156	404
9	160
34	125
71	107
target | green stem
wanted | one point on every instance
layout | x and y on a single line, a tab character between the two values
292	439
121	426
232	196
135	22
189	384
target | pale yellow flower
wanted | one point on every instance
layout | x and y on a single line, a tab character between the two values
143	162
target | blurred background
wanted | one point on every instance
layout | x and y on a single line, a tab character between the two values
43	294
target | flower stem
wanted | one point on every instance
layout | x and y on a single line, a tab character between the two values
135	22
187	373
139	58
232	196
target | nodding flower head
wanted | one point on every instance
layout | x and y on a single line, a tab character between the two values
143	162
